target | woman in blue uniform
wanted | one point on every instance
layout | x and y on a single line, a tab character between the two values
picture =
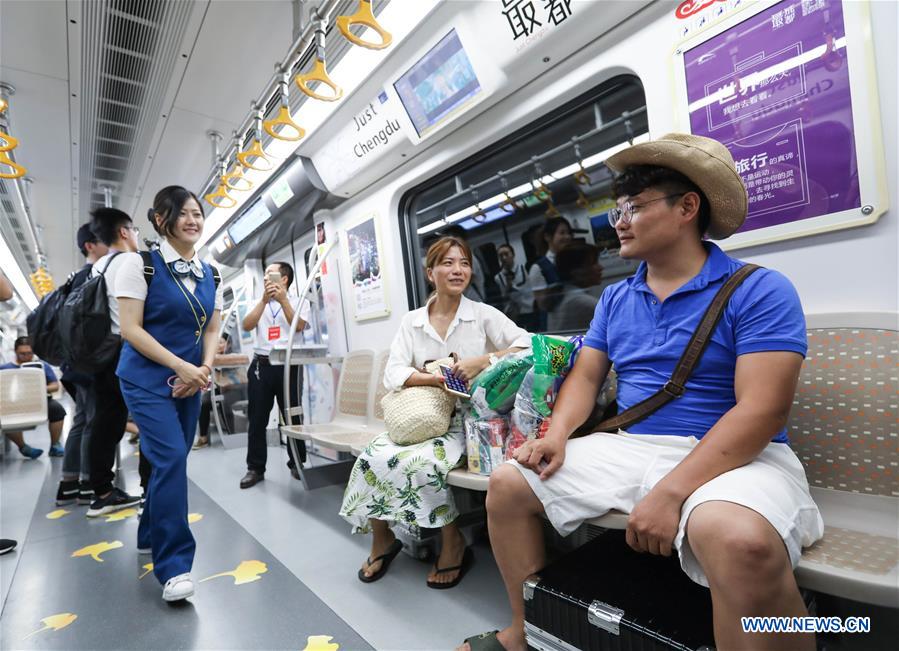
170	323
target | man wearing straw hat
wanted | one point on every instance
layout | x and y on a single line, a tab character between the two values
714	461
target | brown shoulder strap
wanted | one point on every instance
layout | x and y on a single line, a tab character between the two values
676	385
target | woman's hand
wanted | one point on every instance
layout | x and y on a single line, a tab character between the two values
182	390
467	369
543	456
193	376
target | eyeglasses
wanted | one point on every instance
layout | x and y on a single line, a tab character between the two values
629	211
135	229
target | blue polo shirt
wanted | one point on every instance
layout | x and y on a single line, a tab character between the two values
48	372
645	338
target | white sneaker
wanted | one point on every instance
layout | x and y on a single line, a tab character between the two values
178	588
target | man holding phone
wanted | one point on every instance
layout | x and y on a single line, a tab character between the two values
270	319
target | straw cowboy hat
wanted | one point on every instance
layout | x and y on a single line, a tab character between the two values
704	161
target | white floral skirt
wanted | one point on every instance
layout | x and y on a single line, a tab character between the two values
403	483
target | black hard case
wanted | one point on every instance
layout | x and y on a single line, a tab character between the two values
605	596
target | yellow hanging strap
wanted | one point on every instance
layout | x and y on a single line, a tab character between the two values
234	178
9	143
255	151
17	170
365	17
319	72
219	197
42	282
289	130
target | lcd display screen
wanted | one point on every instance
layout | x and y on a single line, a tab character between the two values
441	84
252	218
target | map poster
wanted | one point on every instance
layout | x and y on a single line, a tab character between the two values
366	272
775	89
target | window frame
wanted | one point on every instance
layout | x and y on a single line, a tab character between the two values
408	238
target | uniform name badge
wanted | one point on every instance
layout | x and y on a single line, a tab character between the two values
274	333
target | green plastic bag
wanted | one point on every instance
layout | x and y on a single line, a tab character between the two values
552	359
493	391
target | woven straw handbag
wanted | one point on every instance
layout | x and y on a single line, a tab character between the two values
416	414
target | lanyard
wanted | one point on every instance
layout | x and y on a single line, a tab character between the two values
200	320
273	313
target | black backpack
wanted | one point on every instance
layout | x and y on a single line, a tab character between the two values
88	341
42	323
85	326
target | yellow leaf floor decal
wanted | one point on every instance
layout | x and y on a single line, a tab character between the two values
149	568
57	514
95	550
246	572
124	514
194	517
54	622
320	643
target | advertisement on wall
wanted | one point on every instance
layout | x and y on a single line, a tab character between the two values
775	88
366	272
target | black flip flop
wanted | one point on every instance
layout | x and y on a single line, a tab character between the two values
385	559
485	642
467	558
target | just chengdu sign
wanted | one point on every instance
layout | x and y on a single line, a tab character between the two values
373	130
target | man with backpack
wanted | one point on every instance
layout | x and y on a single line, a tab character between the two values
74	484
116	231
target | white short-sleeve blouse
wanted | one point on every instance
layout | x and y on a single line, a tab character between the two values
476	329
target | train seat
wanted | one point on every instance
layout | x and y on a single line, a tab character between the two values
353	391
354	442
843	428
23	400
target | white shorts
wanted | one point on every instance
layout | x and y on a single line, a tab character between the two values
604	472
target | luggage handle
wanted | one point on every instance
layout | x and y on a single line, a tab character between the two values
604	616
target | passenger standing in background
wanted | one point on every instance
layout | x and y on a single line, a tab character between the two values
170	327
270	321
515	289
543	276
116	230
75	482
407	483
56	413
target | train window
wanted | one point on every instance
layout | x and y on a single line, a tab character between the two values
533	207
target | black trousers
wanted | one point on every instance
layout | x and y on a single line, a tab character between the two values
265	385
107	427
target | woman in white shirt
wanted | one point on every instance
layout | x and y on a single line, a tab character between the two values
170	327
393	483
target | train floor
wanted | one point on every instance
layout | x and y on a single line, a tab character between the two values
275	563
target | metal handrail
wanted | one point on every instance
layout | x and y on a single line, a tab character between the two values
294	54
319	260
624	117
223	322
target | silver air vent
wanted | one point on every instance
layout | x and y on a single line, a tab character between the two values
128	56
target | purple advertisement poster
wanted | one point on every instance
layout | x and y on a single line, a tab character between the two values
775	90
